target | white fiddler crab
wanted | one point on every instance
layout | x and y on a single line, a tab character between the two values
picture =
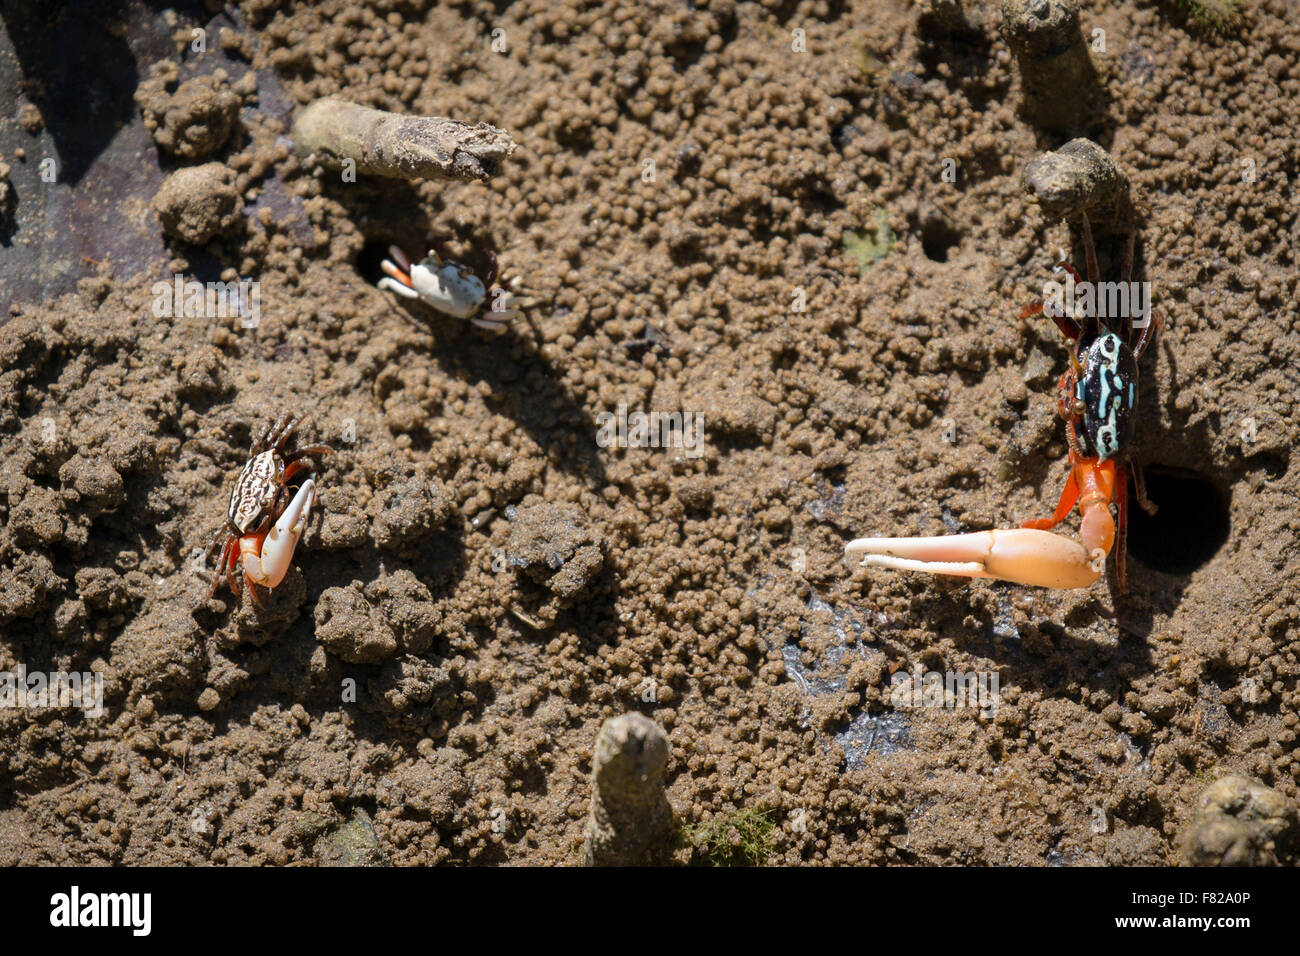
450	288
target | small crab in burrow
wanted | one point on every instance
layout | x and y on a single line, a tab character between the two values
260	527
449	287
1097	395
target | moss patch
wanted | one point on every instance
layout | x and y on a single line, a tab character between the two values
868	248
745	837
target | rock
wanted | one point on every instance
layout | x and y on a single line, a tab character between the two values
393	613
196	204
556	546
631	822
38	518
354	843
347	629
94	480
1240	822
193	122
406	514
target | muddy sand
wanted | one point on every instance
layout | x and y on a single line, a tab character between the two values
708	213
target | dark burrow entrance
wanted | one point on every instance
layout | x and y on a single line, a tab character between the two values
937	237
1188	530
369	259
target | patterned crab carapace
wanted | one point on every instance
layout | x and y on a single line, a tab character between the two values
1097	396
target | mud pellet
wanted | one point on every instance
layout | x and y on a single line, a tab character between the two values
1078	177
380	143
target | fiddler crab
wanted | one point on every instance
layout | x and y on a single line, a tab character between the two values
260	527
1096	397
449	287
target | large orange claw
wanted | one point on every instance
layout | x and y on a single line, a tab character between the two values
1022	555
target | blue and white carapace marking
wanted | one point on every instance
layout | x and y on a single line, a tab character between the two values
1108	391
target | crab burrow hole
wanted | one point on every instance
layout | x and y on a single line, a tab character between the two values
937	237
370	259
1188	530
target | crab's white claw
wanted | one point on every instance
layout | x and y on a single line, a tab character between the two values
1020	555
497	319
393	285
268	565
395	281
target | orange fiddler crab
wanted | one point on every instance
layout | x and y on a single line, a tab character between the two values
260	527
1097	396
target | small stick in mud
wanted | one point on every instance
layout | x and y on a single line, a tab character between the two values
399	147
1080	177
1056	73
631	821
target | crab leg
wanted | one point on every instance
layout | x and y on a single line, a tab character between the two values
223	566
1021	555
267	556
